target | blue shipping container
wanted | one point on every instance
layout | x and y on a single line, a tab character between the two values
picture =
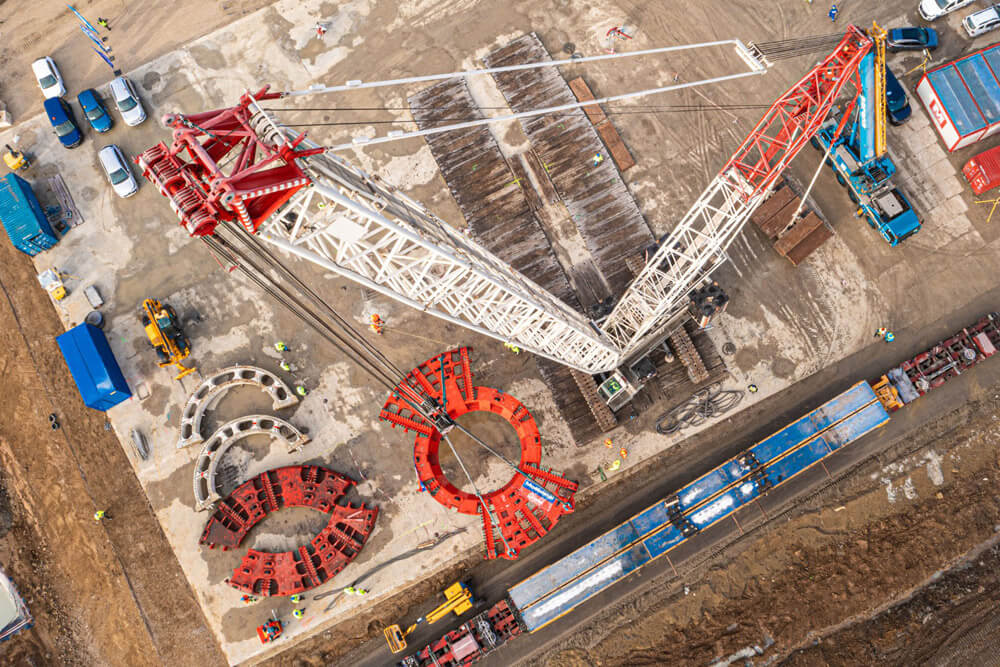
92	364
23	217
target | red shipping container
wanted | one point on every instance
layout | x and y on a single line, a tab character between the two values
983	171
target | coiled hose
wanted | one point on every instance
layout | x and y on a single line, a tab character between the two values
711	401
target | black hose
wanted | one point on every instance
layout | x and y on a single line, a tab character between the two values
706	403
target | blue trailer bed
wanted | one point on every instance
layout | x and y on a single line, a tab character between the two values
560	587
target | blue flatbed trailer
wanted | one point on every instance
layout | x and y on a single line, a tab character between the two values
570	581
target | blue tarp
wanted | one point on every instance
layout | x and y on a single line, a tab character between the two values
93	366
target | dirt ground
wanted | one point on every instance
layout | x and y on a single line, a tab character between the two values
952	621
139	32
109	593
853	576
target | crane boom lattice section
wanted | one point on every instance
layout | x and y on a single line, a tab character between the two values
697	245
237	166
359	227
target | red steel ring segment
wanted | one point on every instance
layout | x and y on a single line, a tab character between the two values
290	572
522	514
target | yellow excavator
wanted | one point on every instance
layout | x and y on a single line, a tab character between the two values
15	159
165	335
458	599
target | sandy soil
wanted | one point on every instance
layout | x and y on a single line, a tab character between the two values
139	32
843	557
109	593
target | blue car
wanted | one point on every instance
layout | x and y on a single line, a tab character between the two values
96	114
897	107
911	39
61	117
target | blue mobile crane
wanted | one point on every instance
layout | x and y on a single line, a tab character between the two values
858	156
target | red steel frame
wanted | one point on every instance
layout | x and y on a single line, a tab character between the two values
954	355
290	572
469	642
217	168
523	516
798	114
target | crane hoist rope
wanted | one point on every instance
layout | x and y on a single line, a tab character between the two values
299	197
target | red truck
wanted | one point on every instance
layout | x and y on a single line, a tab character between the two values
983	171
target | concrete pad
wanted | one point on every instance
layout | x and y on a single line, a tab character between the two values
786	322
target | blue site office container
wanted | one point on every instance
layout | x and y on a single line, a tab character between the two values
92	364
23	218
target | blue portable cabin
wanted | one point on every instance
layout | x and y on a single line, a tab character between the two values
562	586
23	217
963	97
93	366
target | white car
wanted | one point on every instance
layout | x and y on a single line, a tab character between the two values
935	9
117	170
982	21
49	79
127	101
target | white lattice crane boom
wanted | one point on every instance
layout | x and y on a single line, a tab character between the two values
301	198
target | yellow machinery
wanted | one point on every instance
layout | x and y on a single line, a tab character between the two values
14	159
51	281
888	395
878	34
165	335
458	599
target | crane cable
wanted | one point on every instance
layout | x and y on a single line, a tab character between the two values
346	340
353	344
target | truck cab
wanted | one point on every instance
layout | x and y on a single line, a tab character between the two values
889	213
869	185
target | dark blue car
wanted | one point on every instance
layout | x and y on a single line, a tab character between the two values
897	107
96	114
61	117
911	39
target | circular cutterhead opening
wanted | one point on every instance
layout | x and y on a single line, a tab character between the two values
489	472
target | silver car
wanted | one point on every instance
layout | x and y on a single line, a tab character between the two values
127	101
117	170
935	9
48	77
983	21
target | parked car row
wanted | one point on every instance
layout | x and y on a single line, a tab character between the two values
975	24
122	93
60	114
